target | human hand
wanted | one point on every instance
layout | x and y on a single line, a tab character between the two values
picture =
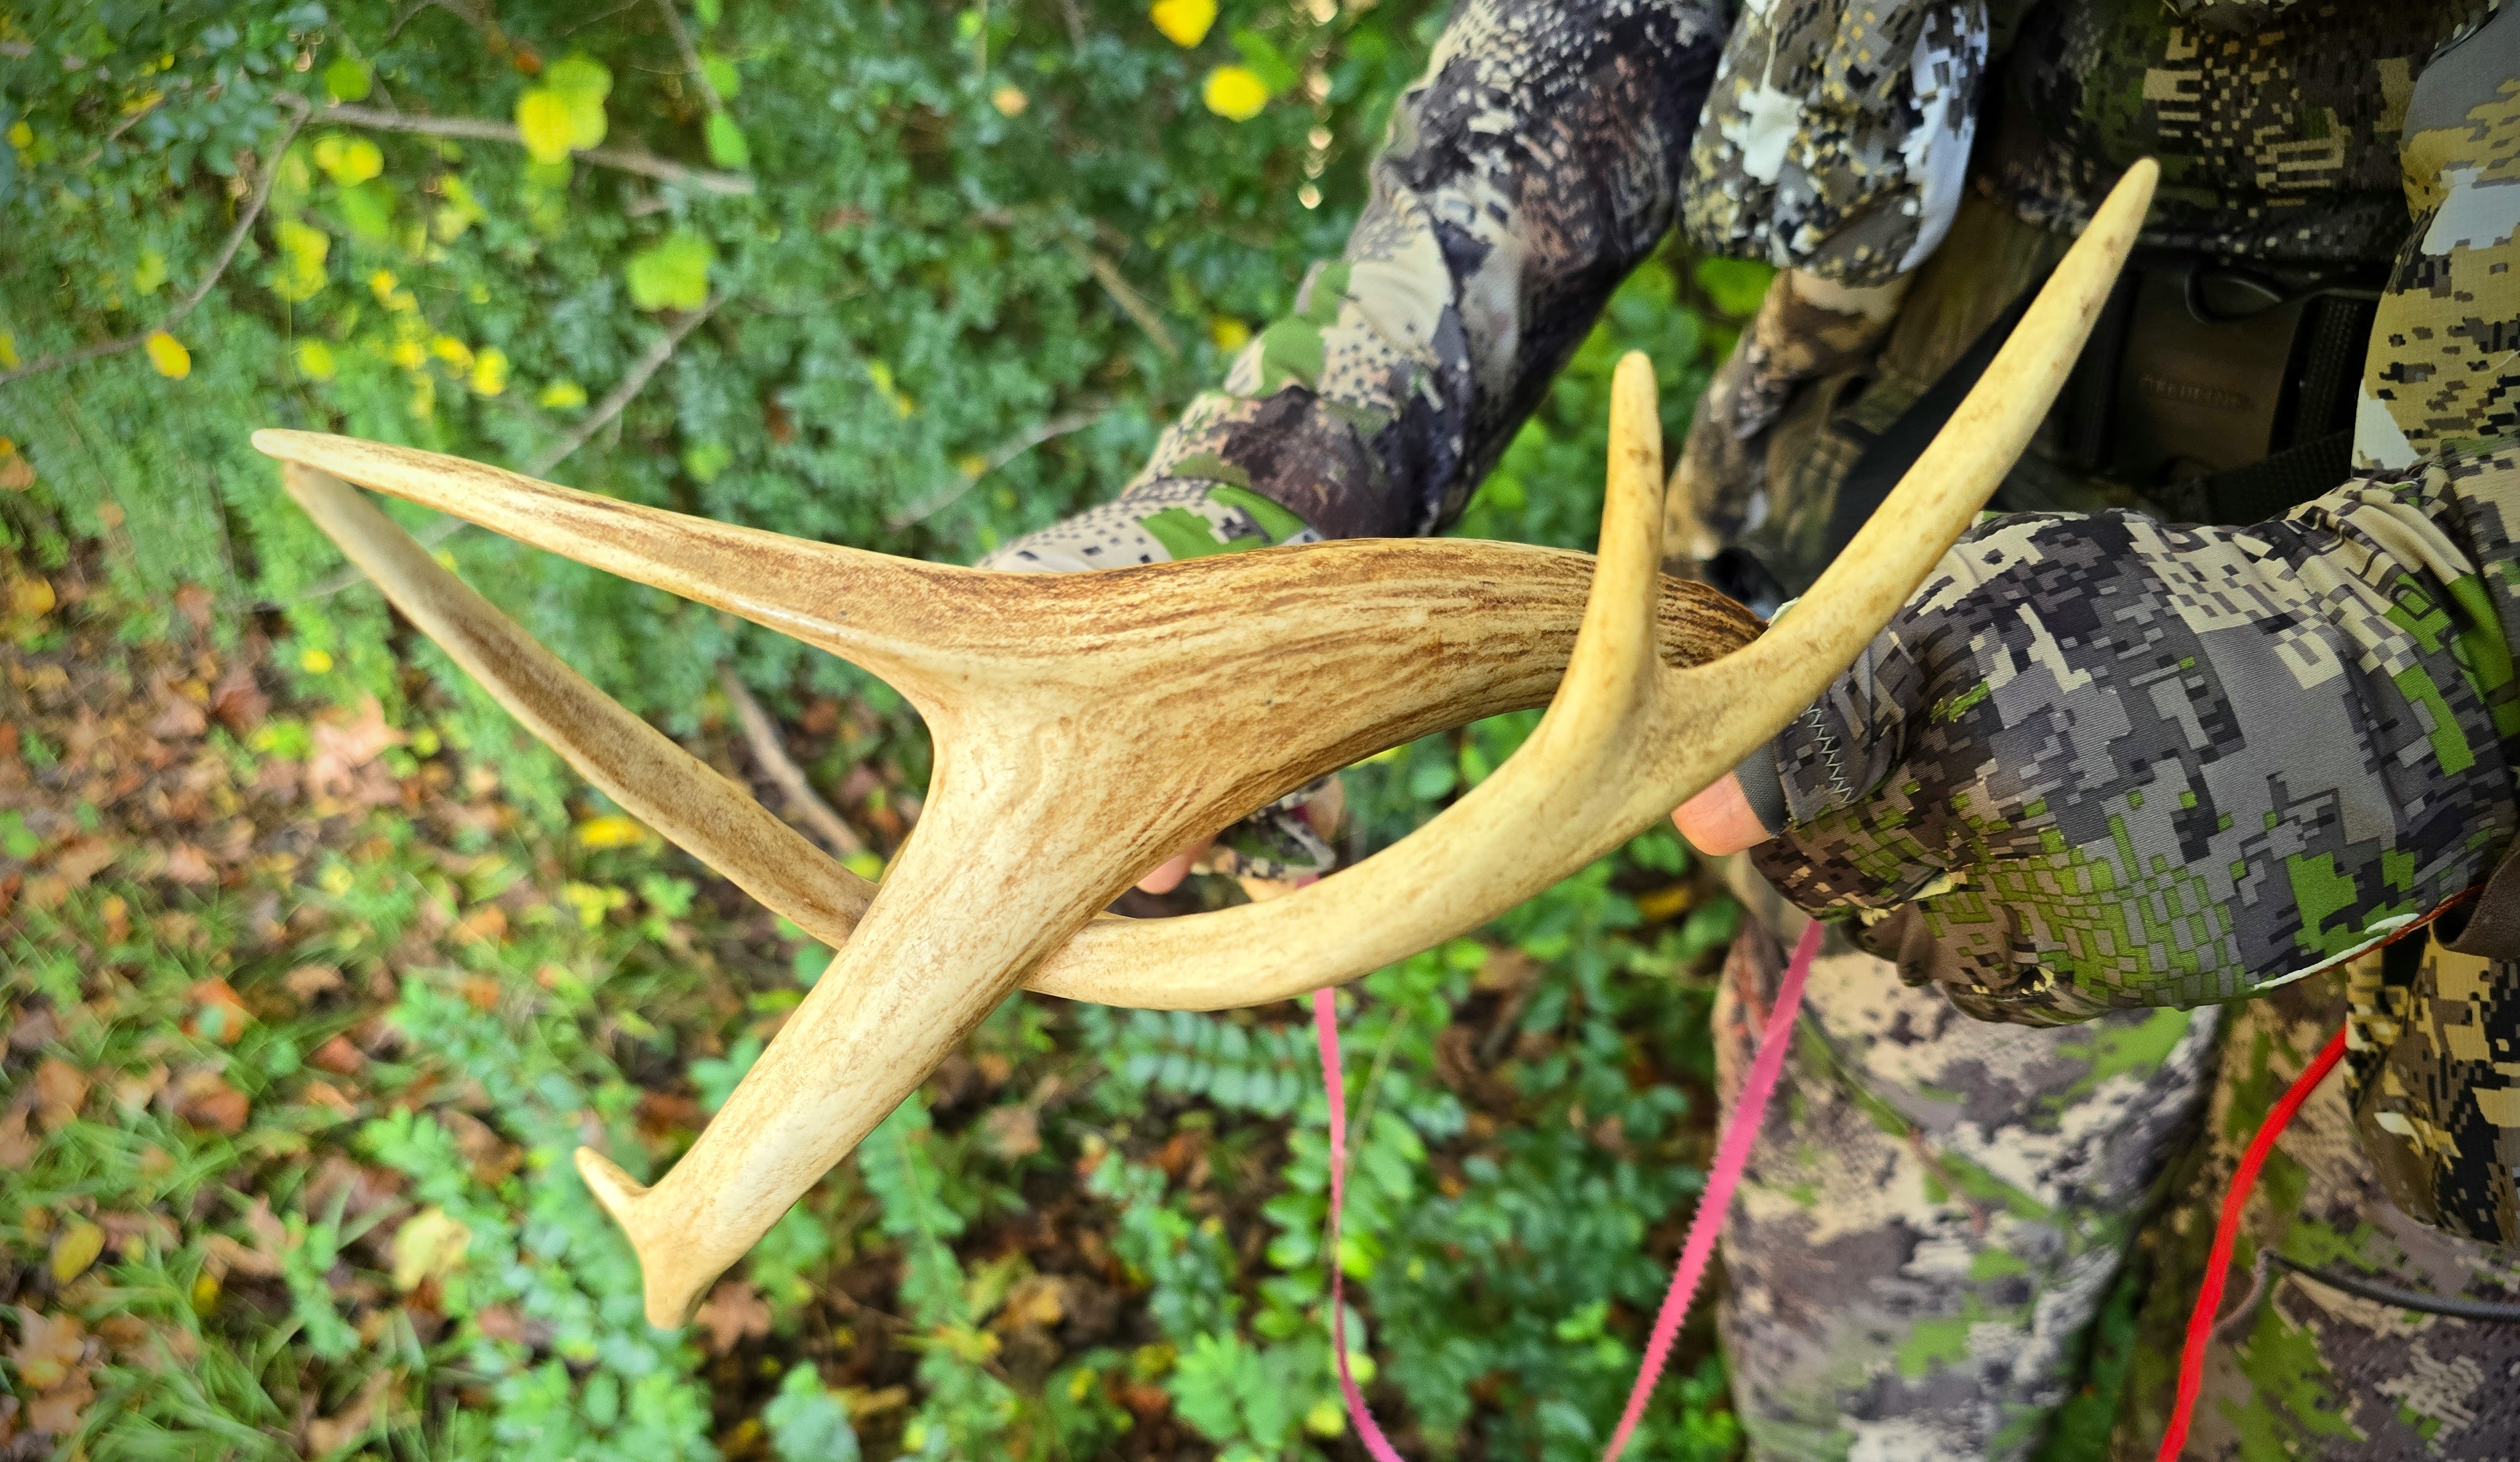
2098	762
1287	842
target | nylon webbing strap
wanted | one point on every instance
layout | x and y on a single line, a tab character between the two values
1889	456
2493	921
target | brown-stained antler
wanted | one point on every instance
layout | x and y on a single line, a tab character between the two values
1087	725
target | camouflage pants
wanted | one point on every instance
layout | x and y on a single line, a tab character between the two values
1939	1209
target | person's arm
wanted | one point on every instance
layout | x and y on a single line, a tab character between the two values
2101	762
1532	167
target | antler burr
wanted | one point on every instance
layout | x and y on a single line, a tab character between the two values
1087	725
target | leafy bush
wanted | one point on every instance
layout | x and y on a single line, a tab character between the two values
912	277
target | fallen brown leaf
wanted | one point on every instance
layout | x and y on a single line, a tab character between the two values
307	981
1036	1300
189	864
205	1100
326	1436
222	1017
48	1348
57	1410
338	1056
18	1146
79	861
62	1089
342	746
733	1311
237	702
225	1256
1013	1132
178	717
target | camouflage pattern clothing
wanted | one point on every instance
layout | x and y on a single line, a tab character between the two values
1936	1210
2003	1167
2301	1368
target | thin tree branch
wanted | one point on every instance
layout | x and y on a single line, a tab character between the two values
1126	297
691	55
201	291
484	129
1049	430
561	451
761	734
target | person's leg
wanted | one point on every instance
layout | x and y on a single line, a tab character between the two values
1935	1210
2301	1369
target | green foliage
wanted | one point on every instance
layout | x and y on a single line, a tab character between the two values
914	278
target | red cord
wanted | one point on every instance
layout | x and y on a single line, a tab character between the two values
2218	1265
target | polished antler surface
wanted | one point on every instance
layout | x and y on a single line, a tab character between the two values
1086	725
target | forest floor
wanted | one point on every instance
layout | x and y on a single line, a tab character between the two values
302	1016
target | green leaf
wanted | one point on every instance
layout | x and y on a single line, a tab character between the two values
709	11
1266	62
807	1420
726	145
1733	286
673	274
722	75
149	273
348	80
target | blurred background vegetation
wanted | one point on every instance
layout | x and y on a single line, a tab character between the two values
316	968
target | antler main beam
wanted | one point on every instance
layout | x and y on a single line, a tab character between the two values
1087	725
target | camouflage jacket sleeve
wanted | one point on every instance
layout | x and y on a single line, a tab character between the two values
1531	167
1836	139
2100	761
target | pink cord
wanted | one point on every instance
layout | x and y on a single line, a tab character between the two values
1732	1155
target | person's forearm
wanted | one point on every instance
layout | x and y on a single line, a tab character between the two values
1531	168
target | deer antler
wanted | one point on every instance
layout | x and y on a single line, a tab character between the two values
1078	722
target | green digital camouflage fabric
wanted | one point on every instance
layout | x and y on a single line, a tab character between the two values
1936	1212
2301	1369
2279	127
2100	762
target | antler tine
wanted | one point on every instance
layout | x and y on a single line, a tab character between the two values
1510	836
638	766
897	617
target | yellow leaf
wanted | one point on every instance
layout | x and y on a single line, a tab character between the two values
1010	101
315	360
315	661
22	136
543	118
612	831
429	1244
74	1249
491	372
1229	333
168	355
349	160
562	395
411	355
8	350
31	596
382	284
1184	22
453	351
1235	93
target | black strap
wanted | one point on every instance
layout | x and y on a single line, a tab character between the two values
2333	337
1887	458
2267	488
2491	924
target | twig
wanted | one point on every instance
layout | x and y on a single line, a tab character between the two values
484	129
1131	302
201	291
761	734
1049	430
561	451
630	386
691	55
